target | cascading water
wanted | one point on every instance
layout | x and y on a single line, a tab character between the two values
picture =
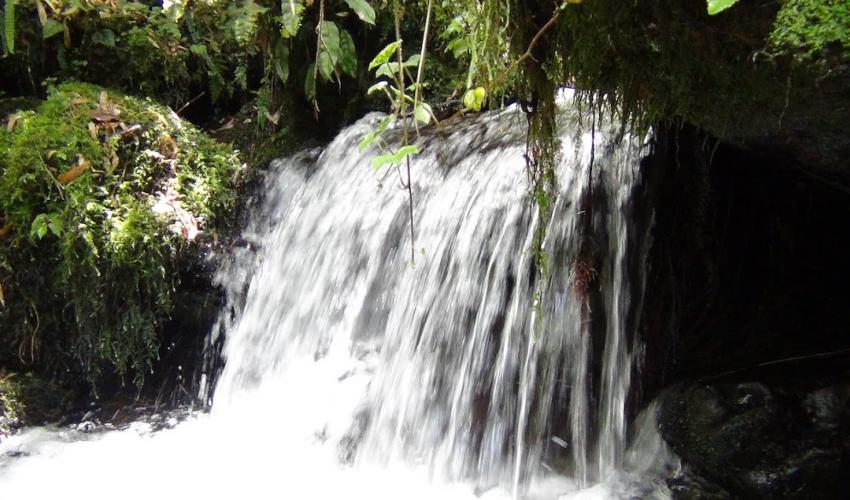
459	374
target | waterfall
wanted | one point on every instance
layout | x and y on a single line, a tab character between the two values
465	380
463	364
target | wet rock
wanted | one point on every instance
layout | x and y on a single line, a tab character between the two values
27	399
7	425
753	439
689	485
87	427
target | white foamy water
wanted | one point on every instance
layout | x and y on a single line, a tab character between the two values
352	374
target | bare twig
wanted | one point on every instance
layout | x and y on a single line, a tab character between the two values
777	362
405	132
319	43
417	93
527	54
183	108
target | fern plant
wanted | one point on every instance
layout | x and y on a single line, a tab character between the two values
9	26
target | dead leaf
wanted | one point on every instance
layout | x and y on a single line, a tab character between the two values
93	130
2	297
13	120
130	132
113	161
184	222
75	171
175	119
102	116
42	13
5	230
226	126
154	155
106	111
274	118
168	147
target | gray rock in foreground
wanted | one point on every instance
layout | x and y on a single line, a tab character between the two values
759	439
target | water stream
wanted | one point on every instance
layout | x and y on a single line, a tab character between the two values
352	372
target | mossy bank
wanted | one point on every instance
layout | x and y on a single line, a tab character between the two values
102	197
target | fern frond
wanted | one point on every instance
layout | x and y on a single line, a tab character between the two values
9	25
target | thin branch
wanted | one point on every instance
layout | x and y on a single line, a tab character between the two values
417	93
319	44
183	108
777	362
405	134
527	54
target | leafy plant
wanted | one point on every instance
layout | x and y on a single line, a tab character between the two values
812	31
335	50
395	88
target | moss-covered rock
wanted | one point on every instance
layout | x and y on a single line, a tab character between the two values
782	439
765	75
100	195
26	399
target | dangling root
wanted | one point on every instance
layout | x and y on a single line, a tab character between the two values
582	271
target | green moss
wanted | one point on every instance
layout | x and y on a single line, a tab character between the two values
812	29
87	263
26	399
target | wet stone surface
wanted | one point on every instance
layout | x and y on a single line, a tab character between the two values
754	439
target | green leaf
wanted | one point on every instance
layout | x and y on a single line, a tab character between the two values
412	61
56	226
394	157
199	49
422	112
326	66
330	40
244	23
347	54
370	138
292	12
718	6
458	47
474	98
390	70
89	239
363	10
378	86
102	37
52	27
39	226
385	54
281	60
408	150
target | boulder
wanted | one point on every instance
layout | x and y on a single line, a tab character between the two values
752	438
